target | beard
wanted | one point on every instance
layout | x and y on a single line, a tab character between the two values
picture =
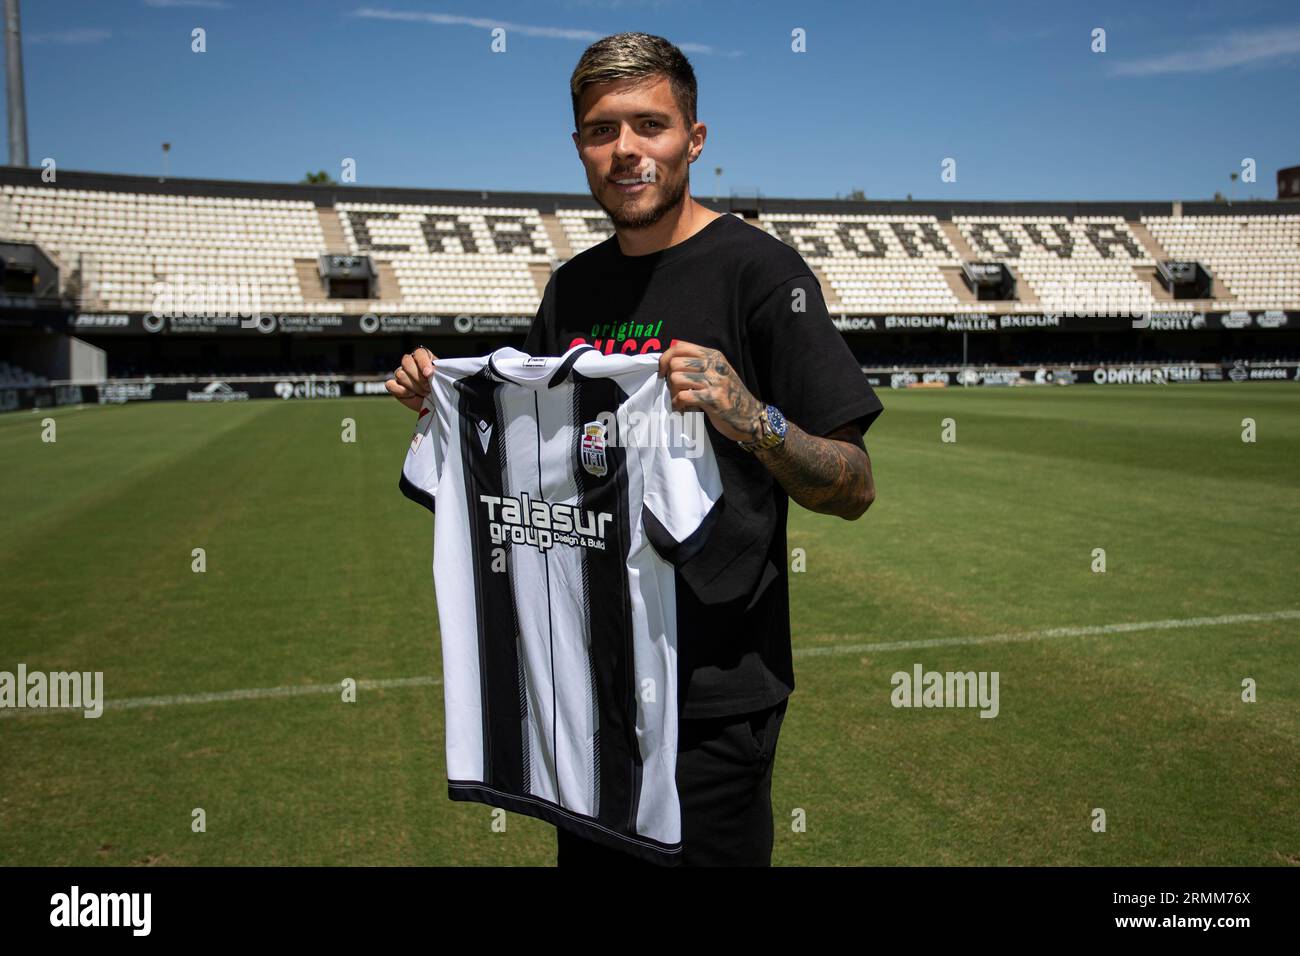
671	198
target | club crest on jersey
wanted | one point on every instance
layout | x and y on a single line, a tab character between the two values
593	448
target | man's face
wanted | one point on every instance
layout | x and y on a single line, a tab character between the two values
633	130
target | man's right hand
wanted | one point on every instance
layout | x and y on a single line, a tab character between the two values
410	383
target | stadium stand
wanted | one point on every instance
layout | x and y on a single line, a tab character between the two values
452	258
874	263
487	258
1080	265
1257	258
584	228
88	256
13	377
123	243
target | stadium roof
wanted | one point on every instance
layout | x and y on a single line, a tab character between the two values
329	195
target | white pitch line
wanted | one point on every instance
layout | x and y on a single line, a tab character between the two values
220	696
264	693
1050	632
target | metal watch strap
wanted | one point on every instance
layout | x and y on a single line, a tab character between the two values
767	438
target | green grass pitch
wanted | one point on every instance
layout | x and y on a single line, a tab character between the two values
318	570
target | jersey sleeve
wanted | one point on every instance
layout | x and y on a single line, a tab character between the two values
423	464
807	368
682	484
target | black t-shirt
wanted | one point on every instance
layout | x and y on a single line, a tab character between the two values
732	287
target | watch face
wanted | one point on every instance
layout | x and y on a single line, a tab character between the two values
776	418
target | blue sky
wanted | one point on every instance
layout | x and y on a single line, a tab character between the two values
885	92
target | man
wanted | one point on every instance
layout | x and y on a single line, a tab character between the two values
746	339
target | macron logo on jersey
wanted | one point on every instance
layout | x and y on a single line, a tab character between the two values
485	434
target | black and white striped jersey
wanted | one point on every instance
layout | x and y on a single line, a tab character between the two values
565	491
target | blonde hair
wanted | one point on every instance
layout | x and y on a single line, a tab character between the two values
626	56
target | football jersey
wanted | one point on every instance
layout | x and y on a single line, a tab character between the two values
565	490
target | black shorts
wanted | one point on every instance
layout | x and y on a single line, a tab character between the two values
724	784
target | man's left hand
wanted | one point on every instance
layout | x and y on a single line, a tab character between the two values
702	379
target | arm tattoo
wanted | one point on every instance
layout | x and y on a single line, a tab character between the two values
830	475
737	407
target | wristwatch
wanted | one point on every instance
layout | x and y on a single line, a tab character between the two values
771	424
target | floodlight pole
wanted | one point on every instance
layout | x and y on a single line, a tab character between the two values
14	86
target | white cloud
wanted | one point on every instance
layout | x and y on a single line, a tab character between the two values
70	37
1220	53
487	23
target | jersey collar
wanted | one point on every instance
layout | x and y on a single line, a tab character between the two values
558	373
